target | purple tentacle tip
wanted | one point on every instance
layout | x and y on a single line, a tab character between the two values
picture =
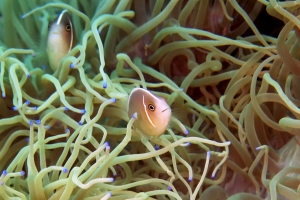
156	147
83	111
3	95
4	172
169	188
104	84
134	115
66	108
190	179
68	130
72	65
80	123
27	139
106	144
47	127
27	102
38	121
208	153
22	173
186	132
112	179
65	170
28	75
114	100
34	108
30	123
14	108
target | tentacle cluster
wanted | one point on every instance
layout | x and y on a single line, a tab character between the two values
65	134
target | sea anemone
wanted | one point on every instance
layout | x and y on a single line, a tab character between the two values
232	85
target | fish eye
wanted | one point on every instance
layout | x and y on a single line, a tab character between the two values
151	107
68	27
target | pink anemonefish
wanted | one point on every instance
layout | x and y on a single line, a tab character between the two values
61	39
153	112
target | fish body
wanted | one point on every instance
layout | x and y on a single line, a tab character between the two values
153	112
60	39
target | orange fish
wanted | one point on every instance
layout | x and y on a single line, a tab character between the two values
61	38
153	112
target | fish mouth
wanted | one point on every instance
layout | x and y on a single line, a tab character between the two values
165	109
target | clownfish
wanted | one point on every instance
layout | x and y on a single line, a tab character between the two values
61	39
153	112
